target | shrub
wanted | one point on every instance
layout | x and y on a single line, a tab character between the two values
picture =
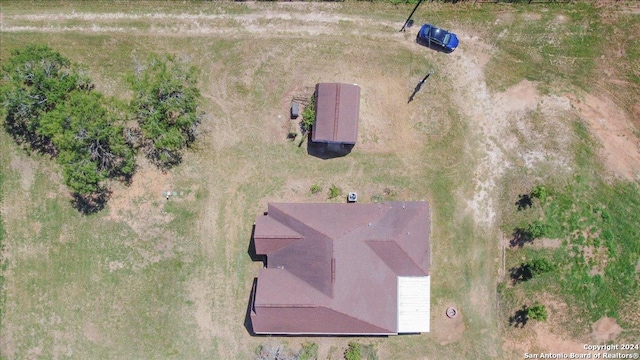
334	192
308	116
540	266
165	105
309	351
538	312
315	188
353	352
538	229
540	192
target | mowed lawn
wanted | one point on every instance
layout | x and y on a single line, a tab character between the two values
153	278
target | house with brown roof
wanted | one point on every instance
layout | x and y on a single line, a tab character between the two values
342	269
337	113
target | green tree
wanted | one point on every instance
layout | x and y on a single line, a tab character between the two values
35	80
90	144
540	266
165	105
538	229
537	311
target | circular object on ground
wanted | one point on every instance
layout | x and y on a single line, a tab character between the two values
452	312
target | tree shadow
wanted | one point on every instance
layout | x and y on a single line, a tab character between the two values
327	151
164	159
90	203
521	273
26	138
520	317
520	237
524	201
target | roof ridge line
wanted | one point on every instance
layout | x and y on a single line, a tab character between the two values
298	222
413	218
399	247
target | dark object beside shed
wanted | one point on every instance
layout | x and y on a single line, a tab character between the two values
337	113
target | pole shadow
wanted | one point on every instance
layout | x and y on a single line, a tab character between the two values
419	86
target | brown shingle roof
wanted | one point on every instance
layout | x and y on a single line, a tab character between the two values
337	113
340	276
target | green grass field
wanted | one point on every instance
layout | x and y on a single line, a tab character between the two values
151	278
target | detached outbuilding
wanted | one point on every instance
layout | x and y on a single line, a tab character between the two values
337	113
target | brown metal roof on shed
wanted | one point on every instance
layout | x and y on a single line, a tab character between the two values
338	269
337	113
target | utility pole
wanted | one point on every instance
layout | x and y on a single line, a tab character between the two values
410	15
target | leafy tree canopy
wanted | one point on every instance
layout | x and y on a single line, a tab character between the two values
35	80
165	106
49	104
91	146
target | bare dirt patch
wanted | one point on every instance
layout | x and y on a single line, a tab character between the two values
447	330
550	336
148	183
531	16
493	117
520	97
609	124
552	340
606	329
560	19
506	18
547	243
92	333
26	167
